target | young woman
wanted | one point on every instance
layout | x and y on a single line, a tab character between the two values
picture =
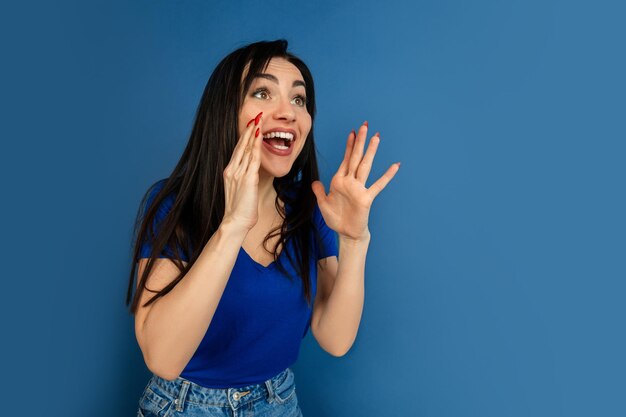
236	251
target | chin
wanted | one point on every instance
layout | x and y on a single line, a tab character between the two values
276	171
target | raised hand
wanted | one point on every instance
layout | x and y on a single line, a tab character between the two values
346	207
241	177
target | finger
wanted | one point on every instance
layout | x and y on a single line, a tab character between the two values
382	182
343	168
319	191
251	147
366	163
357	151
243	141
240	148
255	156
249	150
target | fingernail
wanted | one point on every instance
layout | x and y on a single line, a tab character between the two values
398	164
250	122
365	123
377	134
258	117
257	132
353	132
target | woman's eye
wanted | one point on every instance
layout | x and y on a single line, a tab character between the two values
302	100
263	94
259	92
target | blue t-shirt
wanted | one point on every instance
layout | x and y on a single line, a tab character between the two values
261	319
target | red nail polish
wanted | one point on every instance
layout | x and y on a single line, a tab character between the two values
353	132
257	132
257	118
377	134
365	123
250	122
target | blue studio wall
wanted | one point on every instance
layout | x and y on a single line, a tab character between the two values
495	277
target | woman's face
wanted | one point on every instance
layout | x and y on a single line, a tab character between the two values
280	94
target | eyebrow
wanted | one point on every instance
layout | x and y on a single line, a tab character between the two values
275	80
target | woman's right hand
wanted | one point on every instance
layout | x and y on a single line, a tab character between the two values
241	177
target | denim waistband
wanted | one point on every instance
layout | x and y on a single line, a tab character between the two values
183	391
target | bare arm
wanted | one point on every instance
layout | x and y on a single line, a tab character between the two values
170	330
340	296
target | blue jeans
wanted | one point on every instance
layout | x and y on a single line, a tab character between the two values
275	397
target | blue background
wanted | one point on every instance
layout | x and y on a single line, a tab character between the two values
495	277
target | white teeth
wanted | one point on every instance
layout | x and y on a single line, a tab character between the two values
283	135
280	147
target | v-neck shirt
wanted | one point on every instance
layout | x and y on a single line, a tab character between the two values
262	317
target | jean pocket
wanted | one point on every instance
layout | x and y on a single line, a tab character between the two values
286	389
153	404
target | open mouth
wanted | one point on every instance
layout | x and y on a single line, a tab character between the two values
279	140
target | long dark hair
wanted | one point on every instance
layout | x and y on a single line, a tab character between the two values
197	182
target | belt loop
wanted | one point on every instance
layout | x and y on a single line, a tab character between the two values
181	395
270	390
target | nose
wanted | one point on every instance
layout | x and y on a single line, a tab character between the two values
284	110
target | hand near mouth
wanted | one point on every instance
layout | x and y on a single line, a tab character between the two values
346	207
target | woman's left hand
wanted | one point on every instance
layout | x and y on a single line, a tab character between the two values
346	207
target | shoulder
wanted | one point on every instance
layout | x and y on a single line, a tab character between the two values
153	191
318	219
295	193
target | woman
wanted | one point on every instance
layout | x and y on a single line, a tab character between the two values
218	316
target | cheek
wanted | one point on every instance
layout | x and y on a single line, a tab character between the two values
247	113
